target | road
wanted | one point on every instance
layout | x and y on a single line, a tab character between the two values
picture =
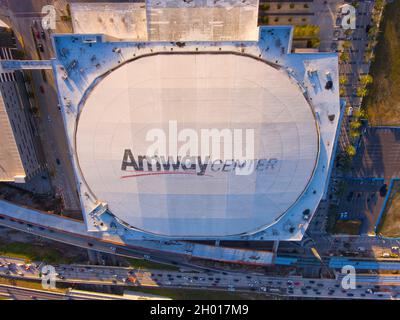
306	262
22	293
15	268
103	246
367	287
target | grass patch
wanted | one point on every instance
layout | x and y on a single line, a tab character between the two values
190	294
309	33
389	225
383	101
32	252
336	226
349	227
306	31
145	264
28	284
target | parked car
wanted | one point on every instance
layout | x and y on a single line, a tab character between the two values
40	47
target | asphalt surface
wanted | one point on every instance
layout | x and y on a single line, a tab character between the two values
379	154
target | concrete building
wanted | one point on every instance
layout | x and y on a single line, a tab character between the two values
114	89
150	20
18	157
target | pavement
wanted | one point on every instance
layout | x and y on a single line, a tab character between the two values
332	36
378	154
325	18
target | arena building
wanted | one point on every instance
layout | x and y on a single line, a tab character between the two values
206	139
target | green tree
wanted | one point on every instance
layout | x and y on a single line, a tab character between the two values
354	134
265	20
379	4
359	113
355	124
346	44
351	151
348	32
265	6
344	57
369	57
361	92
314	43
373	31
366	79
306	31
343	80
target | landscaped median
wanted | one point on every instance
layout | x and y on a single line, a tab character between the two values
389	221
32	252
383	100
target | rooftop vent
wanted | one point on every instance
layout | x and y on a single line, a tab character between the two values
329	85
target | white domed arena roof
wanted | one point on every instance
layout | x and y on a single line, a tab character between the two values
223	91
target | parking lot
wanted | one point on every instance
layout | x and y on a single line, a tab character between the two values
376	163
362	200
378	155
